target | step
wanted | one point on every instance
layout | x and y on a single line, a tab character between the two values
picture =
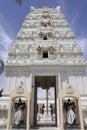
44	128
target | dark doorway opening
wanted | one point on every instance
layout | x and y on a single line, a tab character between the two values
45	112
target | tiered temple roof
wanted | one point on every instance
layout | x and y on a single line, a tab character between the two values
45	38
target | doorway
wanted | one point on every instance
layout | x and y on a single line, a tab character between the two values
45	108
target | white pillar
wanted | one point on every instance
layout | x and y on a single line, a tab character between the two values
28	114
9	116
58	112
32	99
57	96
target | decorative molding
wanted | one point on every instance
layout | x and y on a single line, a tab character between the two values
20	89
70	90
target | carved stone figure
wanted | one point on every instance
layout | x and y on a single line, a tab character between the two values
39	50
69	108
18	115
40	34
51	50
50	35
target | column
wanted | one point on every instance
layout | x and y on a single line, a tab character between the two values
29	81
57	96
47	100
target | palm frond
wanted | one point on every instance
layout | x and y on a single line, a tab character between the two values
1	66
1	92
19	2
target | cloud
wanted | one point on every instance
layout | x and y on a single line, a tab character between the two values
63	6
83	44
5	42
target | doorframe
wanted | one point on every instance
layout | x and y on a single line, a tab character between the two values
35	98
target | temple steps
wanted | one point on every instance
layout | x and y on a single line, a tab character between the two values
45	128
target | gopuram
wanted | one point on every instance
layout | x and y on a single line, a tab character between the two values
44	55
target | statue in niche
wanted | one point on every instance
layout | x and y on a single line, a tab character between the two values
49	23
18	119
40	34
50	35
69	108
51	50
39	49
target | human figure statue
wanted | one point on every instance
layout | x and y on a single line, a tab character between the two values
70	112
18	116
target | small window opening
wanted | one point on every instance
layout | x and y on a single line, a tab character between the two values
45	37
45	25
45	54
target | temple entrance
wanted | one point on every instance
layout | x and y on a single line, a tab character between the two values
45	112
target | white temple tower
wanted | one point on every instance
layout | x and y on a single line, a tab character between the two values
45	54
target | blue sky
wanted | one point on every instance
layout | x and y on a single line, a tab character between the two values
13	15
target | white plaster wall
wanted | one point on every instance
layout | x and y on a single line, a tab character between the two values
28	82
66	74
79	83
15	75
7	84
76	76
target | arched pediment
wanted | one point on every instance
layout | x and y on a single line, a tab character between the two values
70	100
20	91
69	91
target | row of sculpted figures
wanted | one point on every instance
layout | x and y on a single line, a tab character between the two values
70	109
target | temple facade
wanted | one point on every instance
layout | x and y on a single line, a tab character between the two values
45	55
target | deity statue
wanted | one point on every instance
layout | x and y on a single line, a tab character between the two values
69	108
19	114
51	50
40	34
50	35
39	49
